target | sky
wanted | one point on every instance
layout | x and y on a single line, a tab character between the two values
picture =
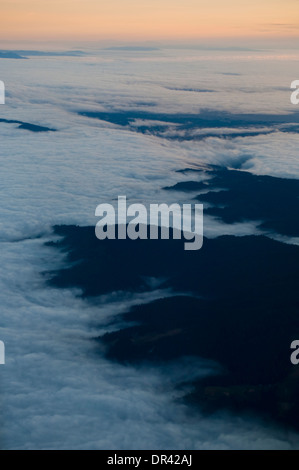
147	19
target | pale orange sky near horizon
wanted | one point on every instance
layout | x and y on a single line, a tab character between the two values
147	19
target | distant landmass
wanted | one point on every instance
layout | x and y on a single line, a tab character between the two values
23	54
10	55
221	124
51	53
132	48
28	126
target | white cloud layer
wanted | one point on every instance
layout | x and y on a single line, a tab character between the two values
57	390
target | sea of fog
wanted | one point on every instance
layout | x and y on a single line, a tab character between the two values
57	391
